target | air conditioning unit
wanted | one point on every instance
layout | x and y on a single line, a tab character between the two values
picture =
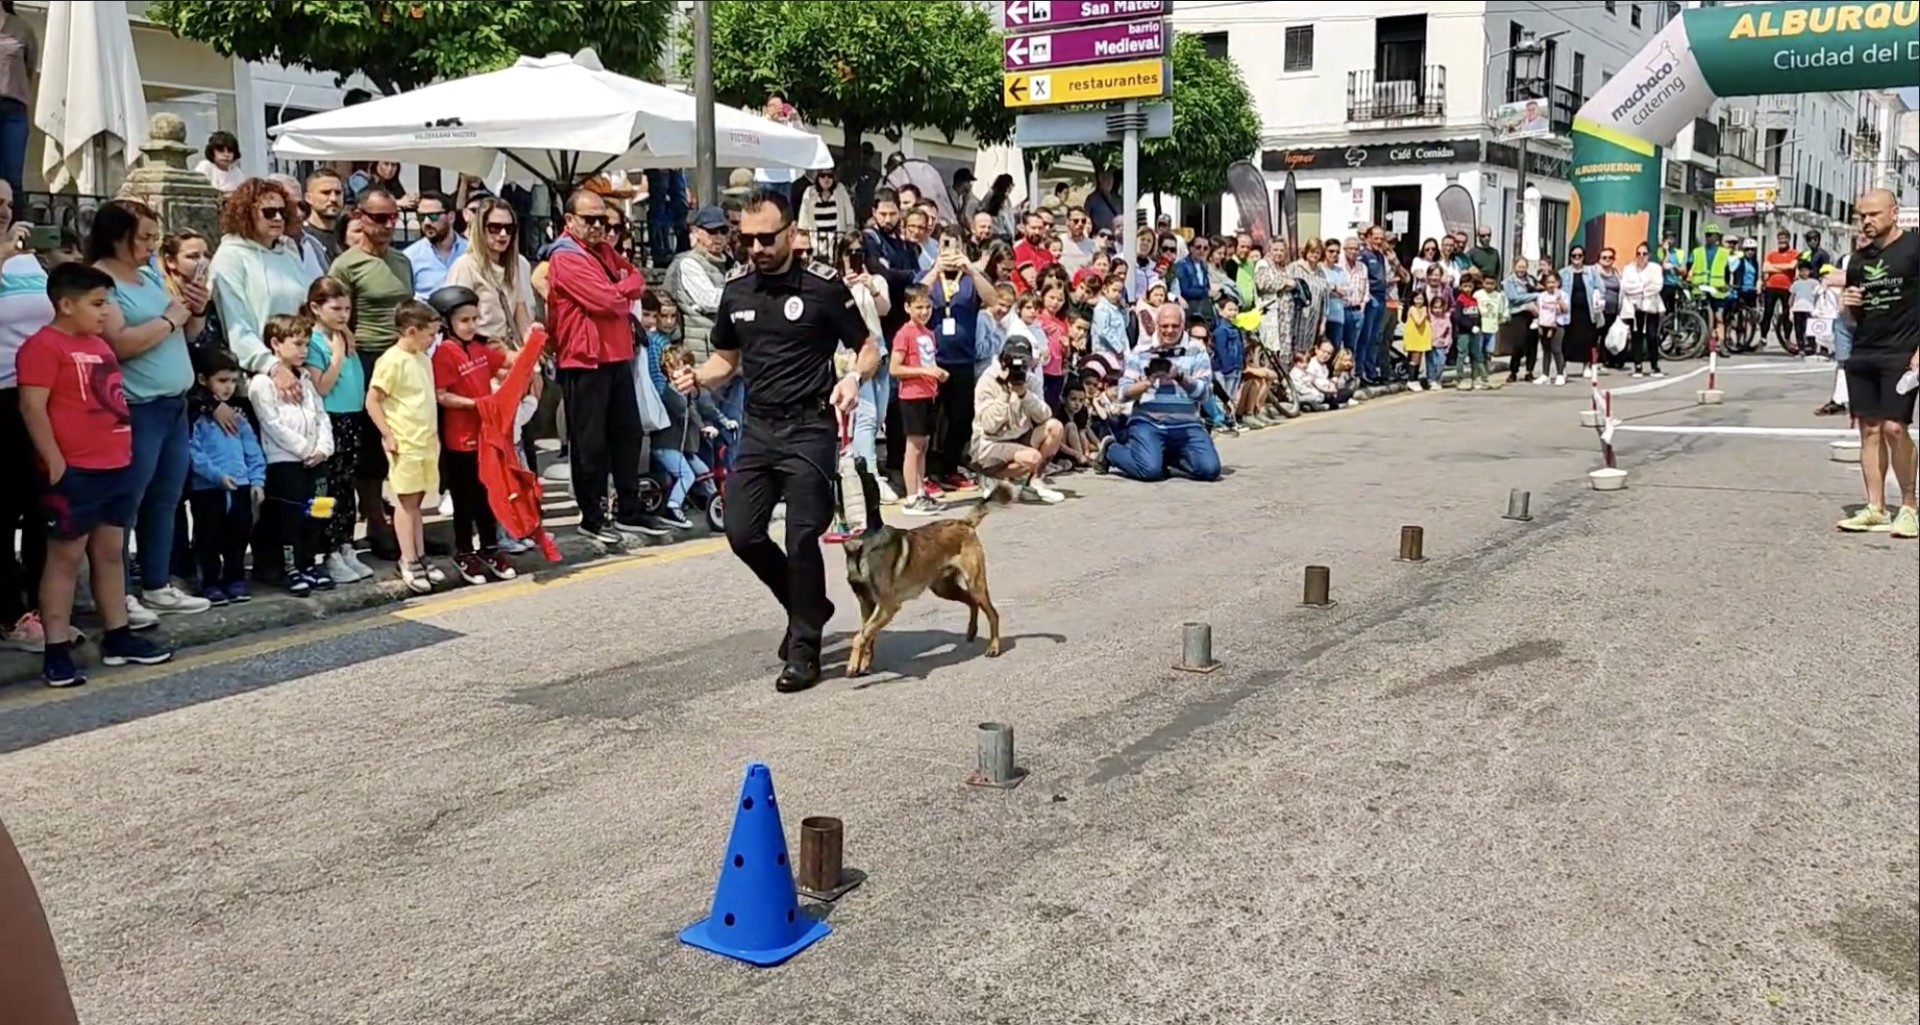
1740	117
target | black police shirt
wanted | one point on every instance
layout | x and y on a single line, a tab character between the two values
787	328
1887	323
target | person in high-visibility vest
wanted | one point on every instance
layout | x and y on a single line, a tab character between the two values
1707	271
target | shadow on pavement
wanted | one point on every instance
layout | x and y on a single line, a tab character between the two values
91	709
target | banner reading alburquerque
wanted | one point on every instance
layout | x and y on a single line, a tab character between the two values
1711	53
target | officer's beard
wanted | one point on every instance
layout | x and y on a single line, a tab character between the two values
773	261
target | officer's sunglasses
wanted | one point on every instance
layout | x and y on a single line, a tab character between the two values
763	239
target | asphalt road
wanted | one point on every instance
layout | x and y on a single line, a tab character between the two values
1648	758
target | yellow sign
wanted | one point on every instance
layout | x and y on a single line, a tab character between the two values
1097	83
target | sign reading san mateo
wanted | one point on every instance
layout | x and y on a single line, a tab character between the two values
1059	52
1022	15
1127	40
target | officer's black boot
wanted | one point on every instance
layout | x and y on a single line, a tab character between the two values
798	675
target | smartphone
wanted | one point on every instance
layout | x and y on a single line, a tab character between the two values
857	261
201	270
44	239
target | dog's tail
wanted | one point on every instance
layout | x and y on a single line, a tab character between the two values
1000	495
870	490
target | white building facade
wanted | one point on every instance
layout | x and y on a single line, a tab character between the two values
1376	110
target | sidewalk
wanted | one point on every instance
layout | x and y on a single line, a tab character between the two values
273	609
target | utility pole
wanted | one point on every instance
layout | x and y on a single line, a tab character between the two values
706	173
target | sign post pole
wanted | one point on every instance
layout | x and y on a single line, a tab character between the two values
1130	182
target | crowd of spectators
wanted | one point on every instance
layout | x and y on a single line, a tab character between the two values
303	391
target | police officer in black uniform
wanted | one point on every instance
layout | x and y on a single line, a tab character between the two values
780	322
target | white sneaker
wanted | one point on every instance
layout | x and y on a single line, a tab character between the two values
1542	379
1559	380
172	601
887	497
139	617
352	559
921	505
1037	491
338	570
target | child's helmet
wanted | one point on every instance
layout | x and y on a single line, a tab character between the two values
447	300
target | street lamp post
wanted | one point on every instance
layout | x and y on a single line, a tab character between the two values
1527	56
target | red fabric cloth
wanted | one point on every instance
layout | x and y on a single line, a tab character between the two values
587	310
513	490
466	369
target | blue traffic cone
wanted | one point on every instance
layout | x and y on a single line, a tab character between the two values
756	913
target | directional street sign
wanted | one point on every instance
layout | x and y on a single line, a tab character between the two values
1125	40
1085	127
1097	83
1022	15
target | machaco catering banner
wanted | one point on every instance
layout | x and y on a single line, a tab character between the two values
1713	52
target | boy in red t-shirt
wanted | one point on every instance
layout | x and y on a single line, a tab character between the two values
465	367
76	414
913	367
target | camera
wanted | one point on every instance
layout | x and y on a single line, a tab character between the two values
1015	358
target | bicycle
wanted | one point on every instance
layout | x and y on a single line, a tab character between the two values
1743	328
1686	327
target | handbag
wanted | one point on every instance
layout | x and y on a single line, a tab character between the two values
1618	336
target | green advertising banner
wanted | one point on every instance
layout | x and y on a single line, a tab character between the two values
1616	193
1709	53
1755	49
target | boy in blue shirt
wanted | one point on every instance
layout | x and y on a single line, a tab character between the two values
1229	347
228	478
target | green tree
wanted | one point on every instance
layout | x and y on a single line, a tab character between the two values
882	67
406	45
1214	125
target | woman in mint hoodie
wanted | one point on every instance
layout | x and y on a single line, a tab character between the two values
257	274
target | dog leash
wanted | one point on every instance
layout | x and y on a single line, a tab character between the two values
840	533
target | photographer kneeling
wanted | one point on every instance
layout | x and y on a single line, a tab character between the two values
1167	384
1014	434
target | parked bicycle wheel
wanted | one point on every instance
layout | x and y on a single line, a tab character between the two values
1686	335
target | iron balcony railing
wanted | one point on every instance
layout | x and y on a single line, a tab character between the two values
1375	96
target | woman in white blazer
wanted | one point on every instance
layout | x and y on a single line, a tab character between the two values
1640	283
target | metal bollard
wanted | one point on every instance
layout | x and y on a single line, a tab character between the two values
1319	587
995	767
1517	503
1413	543
1196	649
823	874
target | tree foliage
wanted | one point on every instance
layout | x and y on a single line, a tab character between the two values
406	45
883	67
1214	125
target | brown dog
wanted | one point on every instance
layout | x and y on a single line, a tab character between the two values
888	567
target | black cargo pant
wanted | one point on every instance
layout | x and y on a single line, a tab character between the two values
787	455
604	436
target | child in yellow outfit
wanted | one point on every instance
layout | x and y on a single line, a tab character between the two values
403	406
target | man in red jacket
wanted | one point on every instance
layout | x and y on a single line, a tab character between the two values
590	295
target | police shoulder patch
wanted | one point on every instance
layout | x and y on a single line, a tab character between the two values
823	271
739	272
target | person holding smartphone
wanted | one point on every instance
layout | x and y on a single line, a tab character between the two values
955	285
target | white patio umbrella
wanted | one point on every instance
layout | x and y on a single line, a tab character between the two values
549	119
91	104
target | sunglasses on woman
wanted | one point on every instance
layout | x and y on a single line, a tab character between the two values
499	227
